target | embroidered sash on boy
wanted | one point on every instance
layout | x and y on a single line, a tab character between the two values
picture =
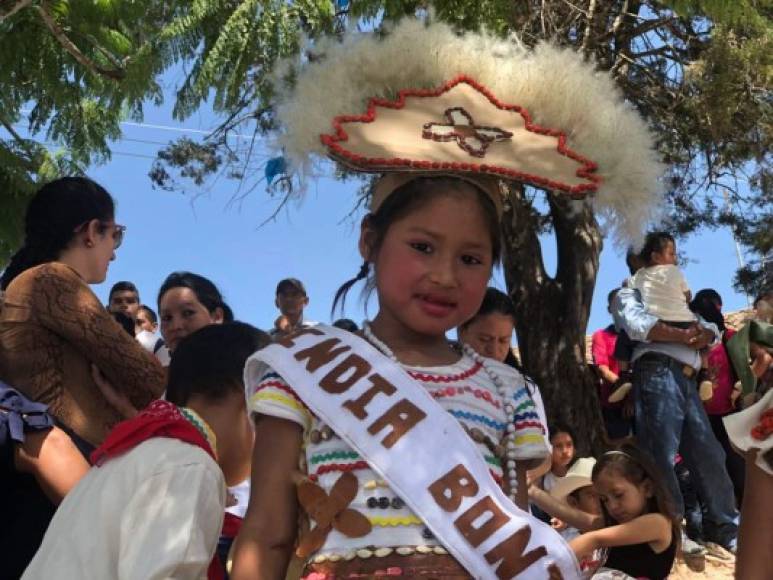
419	449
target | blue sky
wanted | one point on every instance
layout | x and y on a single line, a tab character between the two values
314	239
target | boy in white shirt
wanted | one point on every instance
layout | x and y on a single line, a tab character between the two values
152	506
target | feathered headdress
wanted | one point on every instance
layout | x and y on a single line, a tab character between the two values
423	99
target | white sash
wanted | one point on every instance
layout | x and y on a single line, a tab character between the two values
419	449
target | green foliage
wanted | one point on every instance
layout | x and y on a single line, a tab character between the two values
70	71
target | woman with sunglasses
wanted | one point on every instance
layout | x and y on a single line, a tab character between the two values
54	329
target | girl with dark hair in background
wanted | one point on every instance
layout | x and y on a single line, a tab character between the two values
187	302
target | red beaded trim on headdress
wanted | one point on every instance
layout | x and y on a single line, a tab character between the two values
332	142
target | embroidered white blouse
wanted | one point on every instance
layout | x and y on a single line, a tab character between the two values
463	389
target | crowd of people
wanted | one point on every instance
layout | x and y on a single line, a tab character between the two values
131	450
169	440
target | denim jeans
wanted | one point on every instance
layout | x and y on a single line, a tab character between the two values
671	418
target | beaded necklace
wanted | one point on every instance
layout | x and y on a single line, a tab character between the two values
201	426
509	407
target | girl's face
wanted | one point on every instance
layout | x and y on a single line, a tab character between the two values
563	449
489	335
182	313
623	499
433	265
666	256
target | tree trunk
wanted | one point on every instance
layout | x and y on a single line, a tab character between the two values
553	312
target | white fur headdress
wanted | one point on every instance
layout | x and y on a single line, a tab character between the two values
606	145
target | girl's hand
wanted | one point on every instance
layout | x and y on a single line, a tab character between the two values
113	396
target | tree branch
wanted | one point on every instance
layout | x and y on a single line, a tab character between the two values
106	53
14	9
69	46
588	26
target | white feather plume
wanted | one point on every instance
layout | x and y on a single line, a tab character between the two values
556	86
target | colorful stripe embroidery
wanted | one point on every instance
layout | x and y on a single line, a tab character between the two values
484	394
333	455
525	439
281	399
395	521
341	467
425	378
524	416
477	418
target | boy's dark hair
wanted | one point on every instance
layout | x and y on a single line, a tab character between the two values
123	286
636	466
205	290
655	242
494	301
126	323
346	324
290	284
401	202
151	313
53	217
210	362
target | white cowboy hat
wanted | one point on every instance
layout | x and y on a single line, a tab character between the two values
579	475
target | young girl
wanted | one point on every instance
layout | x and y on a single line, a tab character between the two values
397	479
428	278
562	442
643	532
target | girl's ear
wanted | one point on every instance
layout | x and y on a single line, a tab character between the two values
367	238
218	316
646	488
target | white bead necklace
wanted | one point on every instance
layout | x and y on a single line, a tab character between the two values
502	391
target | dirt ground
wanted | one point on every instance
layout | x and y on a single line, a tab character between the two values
715	569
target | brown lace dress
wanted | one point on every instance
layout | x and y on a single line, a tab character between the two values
52	327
